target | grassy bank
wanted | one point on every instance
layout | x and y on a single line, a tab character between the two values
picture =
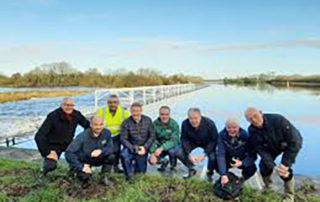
19	181
17	96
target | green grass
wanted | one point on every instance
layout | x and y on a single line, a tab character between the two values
20	181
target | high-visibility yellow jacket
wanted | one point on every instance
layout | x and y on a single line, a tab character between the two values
113	123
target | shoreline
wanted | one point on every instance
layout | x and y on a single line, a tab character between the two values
27	95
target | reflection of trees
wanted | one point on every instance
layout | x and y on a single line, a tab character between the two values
269	82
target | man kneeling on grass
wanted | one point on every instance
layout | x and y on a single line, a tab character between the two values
137	134
93	147
167	140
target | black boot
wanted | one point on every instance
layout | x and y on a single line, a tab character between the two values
117	169
209	175
192	172
105	170
164	165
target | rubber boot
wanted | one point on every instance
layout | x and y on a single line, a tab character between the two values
289	191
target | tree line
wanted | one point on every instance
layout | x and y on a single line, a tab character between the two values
61	74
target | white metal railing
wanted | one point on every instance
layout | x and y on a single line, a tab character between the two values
144	95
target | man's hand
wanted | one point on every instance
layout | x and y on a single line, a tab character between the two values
237	163
53	155
86	169
153	159
95	153
283	171
142	151
224	180
158	151
196	159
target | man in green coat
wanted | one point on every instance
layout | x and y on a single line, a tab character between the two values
167	140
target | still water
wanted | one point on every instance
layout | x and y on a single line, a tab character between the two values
219	102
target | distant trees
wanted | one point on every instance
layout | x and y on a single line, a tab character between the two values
272	78
63	74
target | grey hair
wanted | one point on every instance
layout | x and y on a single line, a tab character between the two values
194	109
232	121
65	99
96	117
249	110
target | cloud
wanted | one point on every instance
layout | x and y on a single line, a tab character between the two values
311	43
147	46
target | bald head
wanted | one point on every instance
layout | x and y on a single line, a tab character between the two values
96	124
254	116
67	105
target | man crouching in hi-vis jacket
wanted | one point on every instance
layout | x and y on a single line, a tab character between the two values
114	114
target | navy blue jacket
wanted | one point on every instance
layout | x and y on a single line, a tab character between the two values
276	136
135	134
238	148
81	147
206	136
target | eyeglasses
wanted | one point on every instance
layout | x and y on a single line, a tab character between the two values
69	105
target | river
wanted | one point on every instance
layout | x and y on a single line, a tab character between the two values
219	102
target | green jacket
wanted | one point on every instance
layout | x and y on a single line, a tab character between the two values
167	135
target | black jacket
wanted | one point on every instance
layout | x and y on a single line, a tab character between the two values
135	134
80	149
277	135
206	136
56	132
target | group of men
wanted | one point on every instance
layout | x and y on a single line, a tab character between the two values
114	134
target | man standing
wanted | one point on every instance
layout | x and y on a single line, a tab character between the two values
198	131
167	140
137	135
114	114
270	136
234	151
92	147
57	132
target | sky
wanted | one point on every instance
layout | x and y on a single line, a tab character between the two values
212	39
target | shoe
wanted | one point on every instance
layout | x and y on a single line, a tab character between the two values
163	166
116	169
192	172
209	175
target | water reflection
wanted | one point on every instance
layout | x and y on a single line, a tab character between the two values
221	102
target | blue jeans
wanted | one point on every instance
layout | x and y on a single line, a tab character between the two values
133	163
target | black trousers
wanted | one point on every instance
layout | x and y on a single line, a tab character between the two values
105	161
172	153
247	171
266	168
50	164
116	149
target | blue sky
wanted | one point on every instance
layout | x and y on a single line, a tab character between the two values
210	38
